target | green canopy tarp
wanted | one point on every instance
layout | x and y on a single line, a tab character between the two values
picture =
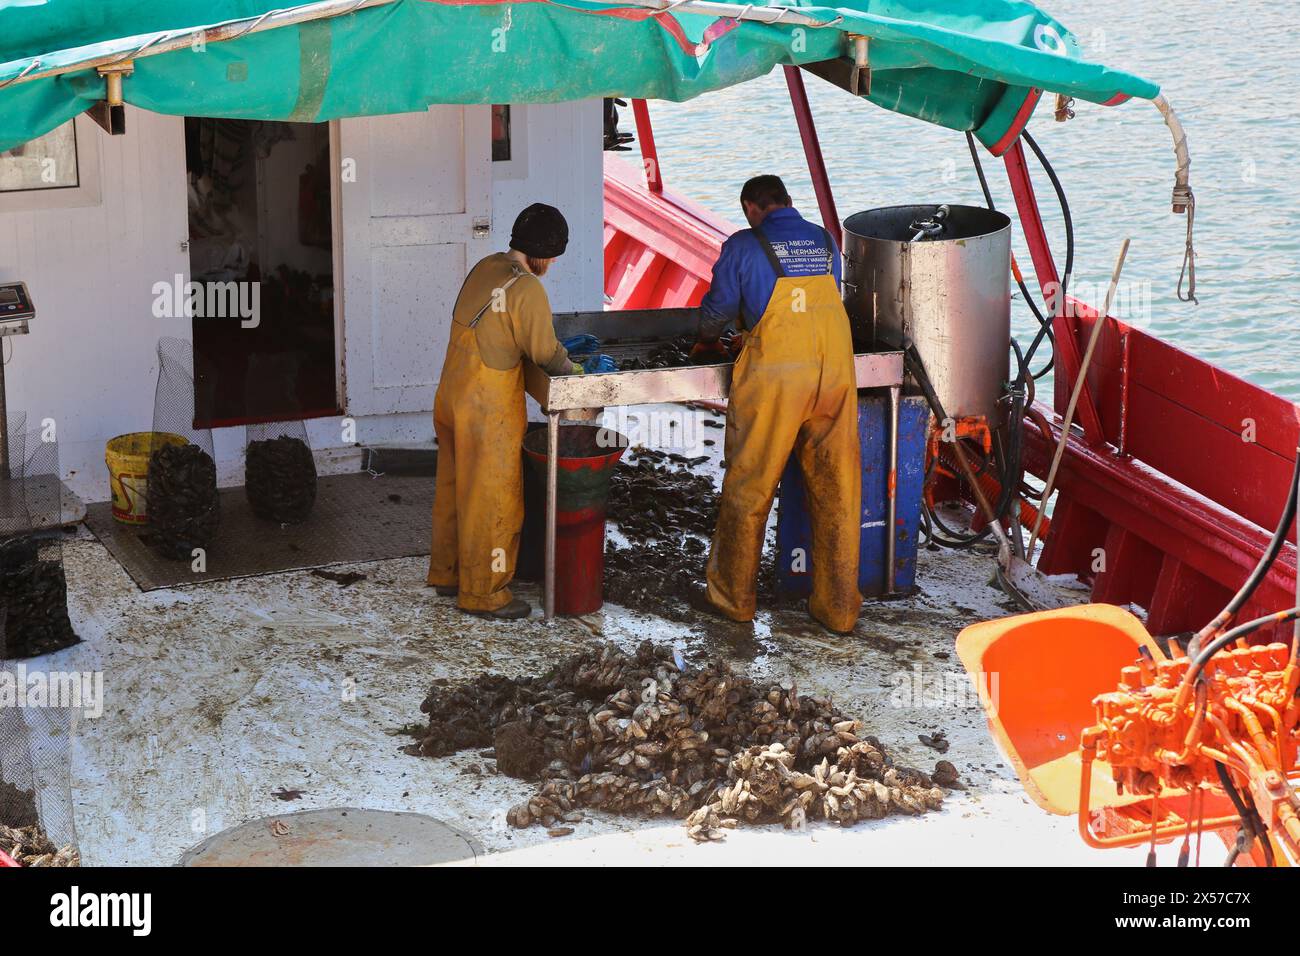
965	64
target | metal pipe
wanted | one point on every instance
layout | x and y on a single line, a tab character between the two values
552	477
645	134
812	150
891	540
1049	280
167	41
1080	387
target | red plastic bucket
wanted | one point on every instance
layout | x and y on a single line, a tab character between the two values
587	455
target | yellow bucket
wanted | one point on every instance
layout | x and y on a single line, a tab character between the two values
127	457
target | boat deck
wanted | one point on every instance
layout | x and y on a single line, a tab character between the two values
219	694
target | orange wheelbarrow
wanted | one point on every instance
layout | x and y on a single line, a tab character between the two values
1040	674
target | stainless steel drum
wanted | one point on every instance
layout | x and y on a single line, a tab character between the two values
951	295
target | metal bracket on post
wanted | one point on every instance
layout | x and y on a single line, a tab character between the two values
860	79
110	112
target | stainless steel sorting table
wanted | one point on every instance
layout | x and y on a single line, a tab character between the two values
638	332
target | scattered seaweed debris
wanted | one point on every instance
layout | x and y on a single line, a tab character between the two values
184	507
280	479
647	734
938	740
342	578
667	515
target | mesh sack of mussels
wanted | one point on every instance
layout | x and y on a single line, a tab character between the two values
184	505
36	818
280	472
33	598
646	734
33	588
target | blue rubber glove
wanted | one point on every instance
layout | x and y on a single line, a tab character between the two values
600	363
583	344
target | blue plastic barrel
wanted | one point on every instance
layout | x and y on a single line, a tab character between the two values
794	534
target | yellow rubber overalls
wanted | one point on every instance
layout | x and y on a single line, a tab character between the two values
793	390
478	505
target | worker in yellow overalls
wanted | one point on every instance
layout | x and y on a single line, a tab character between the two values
793	390
501	317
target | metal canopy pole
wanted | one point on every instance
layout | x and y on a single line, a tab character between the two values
813	151
645	135
552	475
4	421
891	540
1067	348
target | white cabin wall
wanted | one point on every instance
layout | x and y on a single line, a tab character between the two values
559	160
89	362
564	146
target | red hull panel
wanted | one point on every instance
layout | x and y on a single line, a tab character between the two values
659	248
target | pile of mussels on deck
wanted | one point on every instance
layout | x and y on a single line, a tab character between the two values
184	506
646	734
21	834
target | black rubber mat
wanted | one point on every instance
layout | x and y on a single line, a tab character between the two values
357	517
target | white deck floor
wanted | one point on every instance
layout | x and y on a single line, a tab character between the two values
218	695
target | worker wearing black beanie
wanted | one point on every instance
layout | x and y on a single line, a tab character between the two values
540	232
502	317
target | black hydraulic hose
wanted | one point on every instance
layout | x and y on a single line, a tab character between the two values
1014	472
1044	326
1069	239
1202	657
1250	821
979	169
954	539
912	359
1257	576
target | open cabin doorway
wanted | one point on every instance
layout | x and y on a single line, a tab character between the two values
261	248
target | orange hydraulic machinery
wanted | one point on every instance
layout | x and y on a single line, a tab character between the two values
1148	743
1224	722
1142	746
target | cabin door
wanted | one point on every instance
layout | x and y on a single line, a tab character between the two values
416	203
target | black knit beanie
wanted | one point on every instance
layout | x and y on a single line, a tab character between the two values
540	232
